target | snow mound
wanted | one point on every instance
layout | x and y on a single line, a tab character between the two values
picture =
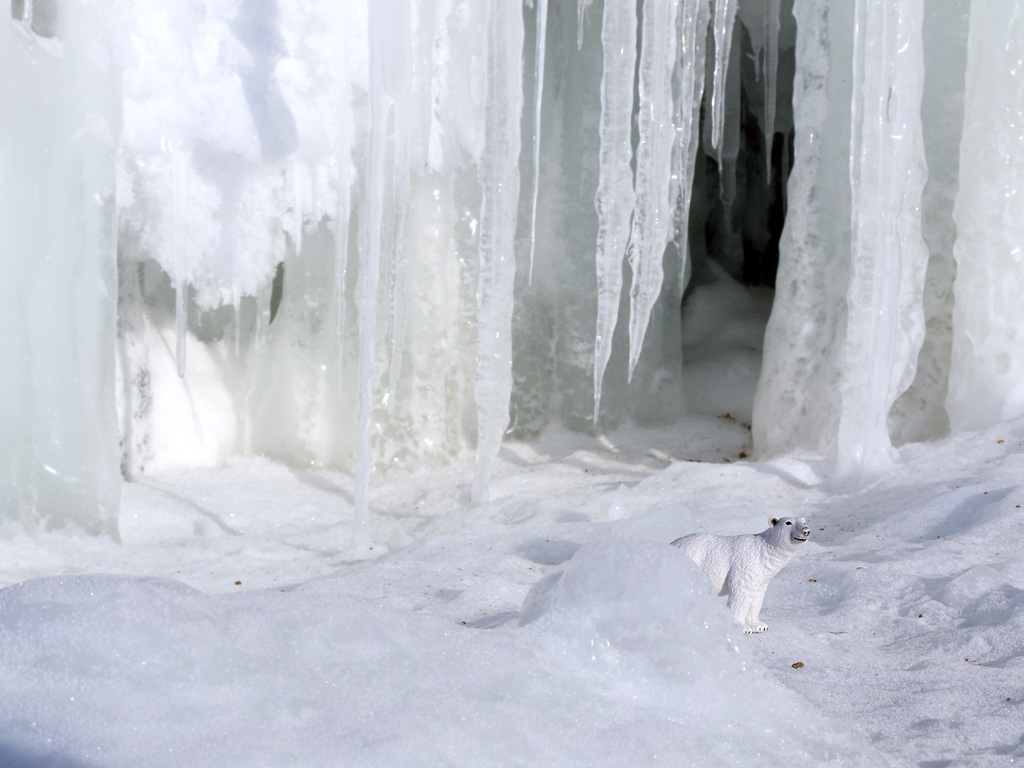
638	616
312	676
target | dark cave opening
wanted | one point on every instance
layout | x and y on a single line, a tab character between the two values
742	235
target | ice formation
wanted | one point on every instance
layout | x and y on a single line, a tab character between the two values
58	141
368	234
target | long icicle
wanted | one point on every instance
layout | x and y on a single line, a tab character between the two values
397	319
615	195
538	98
693	24
180	160
771	67
725	17
654	211
401	68
581	17
499	177
381	106
344	205
341	233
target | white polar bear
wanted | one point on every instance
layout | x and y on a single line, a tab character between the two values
741	566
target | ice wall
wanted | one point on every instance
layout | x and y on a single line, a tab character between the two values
59	126
367	235
985	379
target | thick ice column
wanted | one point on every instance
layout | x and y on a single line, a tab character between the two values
654	210
846	322
885	322
796	406
58	138
499	178
920	413
986	379
615	196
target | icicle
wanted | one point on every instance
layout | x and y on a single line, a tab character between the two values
381	107
341	225
654	210
499	177
725	17
297	211
581	15
693	24
538	92
343	158
771	67
786	150
236	305
179	242
397	317
615	196
729	143
402	131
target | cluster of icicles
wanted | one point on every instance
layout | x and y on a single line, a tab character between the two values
643	195
410	49
321	204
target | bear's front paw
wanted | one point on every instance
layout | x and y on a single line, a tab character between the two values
751	629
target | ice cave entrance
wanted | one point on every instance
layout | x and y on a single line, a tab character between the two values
736	218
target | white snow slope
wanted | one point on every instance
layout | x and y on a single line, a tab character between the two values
231	628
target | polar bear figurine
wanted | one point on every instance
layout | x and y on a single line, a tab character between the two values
741	566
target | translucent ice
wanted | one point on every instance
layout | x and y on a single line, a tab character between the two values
58	139
499	176
615	197
849	288
319	223
985	374
653	215
885	324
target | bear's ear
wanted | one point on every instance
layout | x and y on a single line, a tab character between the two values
774	520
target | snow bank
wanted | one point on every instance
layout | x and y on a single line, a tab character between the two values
113	671
638	616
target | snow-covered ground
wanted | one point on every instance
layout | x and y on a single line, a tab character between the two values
235	624
232	626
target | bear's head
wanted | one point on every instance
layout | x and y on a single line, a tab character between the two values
789	532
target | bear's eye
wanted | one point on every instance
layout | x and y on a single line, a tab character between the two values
789	522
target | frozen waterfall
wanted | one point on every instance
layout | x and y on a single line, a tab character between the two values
367	234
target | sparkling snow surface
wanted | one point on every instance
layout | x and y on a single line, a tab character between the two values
235	627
